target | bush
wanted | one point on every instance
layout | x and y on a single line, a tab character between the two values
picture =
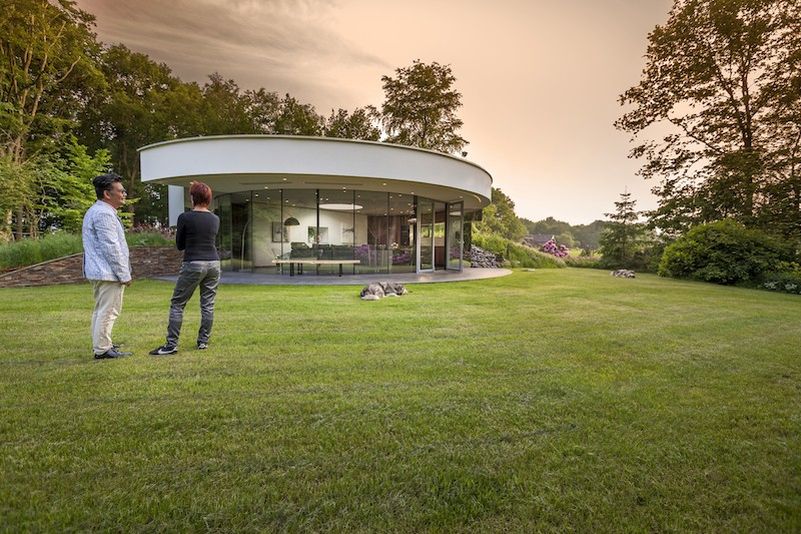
516	255
787	282
554	249
142	236
724	252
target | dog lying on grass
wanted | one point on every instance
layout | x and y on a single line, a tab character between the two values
378	290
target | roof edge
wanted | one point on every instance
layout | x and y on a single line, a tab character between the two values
312	138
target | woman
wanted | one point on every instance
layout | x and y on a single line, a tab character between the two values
196	235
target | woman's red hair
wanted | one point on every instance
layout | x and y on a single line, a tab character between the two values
200	193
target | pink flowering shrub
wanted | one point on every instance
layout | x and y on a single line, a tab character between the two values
553	248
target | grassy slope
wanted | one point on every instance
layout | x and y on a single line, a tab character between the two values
548	400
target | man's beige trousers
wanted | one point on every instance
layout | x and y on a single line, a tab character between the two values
108	305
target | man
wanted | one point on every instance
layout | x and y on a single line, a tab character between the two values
105	262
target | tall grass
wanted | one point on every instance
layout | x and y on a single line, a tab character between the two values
56	245
32	251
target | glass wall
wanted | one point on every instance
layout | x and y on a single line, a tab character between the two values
380	230
269	236
371	235
454	241
337	228
402	224
299	215
425	214
222	208
241	231
440	217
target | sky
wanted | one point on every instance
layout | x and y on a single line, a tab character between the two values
540	79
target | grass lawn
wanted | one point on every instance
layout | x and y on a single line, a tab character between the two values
552	400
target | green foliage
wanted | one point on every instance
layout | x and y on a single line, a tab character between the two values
722	75
32	251
66	185
17	192
586	236
624	241
45	48
149	238
357	125
47	64
589	235
515	254
724	252
584	262
787	281
499	218
298	119
420	108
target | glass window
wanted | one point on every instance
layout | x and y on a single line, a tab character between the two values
455	236
241	231
425	211
337	228
222	208
299	216
402	224
371	244
269	235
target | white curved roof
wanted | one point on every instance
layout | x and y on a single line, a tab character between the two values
234	163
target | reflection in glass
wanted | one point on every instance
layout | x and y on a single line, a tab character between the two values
425	212
402	223
371	247
454	242
300	204
222	208
269	233
336	233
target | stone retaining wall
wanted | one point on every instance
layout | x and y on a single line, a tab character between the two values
146	262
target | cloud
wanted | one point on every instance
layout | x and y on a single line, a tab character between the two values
282	45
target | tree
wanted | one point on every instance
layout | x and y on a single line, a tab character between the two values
264	108
589	235
357	125
420	108
499	218
65	185
298	119
44	46
723	76
128	112
725	252
550	226
225	108
623	236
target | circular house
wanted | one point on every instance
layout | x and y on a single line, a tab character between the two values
377	207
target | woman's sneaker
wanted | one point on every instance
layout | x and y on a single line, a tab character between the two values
163	350
202	346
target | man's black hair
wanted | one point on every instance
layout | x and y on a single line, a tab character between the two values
104	183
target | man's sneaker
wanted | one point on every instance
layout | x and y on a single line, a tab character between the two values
111	354
202	346
163	350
